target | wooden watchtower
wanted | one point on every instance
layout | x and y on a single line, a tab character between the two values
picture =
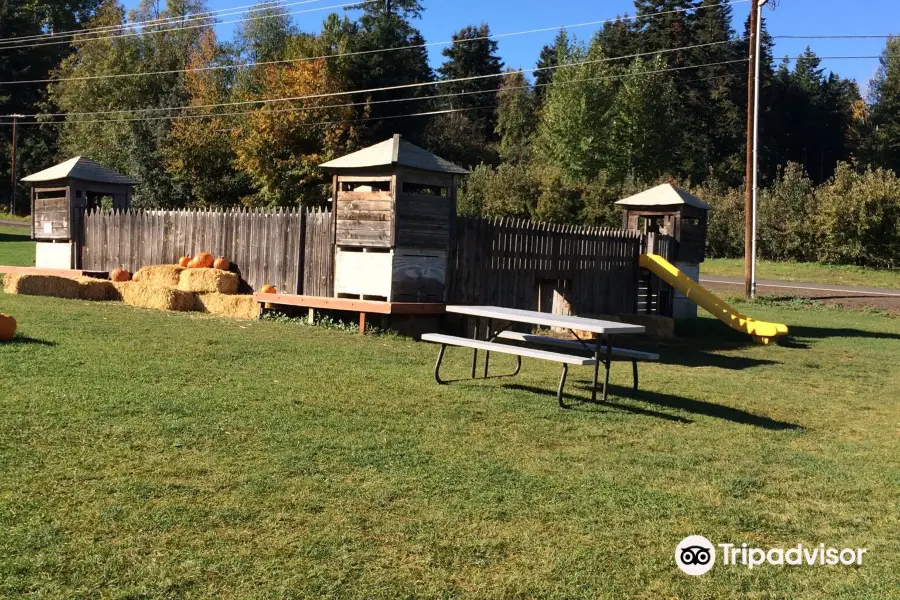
669	210
59	195
395	206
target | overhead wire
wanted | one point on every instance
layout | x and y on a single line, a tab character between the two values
393	100
175	19
341	54
386	88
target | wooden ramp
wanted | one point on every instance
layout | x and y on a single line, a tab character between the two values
363	307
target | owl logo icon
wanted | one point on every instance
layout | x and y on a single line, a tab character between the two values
695	555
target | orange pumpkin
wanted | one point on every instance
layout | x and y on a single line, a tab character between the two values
203	260
120	275
7	328
268	289
184	261
222	263
192	264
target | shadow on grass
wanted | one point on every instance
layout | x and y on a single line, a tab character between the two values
697	407
580	402
819	333
12	237
24	340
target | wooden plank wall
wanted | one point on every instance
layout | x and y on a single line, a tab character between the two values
512	263
265	246
423	222
318	255
365	219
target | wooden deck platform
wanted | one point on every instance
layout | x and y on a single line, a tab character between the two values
363	307
70	273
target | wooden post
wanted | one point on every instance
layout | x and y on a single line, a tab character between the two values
362	323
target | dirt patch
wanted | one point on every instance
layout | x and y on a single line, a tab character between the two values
844	299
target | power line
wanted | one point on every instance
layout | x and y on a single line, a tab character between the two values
392	100
339	55
833	37
207	24
390	88
175	19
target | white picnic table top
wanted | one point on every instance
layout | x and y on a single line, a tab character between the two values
547	319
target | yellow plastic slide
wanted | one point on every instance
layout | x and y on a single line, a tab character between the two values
762	332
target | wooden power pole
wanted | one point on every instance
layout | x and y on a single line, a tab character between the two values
12	168
751	115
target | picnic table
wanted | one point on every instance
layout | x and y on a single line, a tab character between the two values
498	338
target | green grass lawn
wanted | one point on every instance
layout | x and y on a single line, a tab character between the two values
806	272
16	247
154	455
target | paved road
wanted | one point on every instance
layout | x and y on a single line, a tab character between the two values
25	225
798	285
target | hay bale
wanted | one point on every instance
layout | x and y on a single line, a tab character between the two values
145	295
42	285
657	326
228	305
167	275
208	280
97	289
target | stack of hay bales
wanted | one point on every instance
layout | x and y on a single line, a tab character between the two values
160	287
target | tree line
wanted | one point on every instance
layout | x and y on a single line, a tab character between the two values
655	97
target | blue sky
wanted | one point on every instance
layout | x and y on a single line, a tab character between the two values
791	17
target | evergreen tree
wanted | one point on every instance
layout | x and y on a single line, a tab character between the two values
380	30
884	93
548	59
37	145
642	126
516	118
473	54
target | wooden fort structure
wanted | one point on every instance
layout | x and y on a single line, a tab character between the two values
391	243
59	197
395	206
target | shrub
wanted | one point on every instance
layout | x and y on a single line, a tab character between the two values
859	217
787	210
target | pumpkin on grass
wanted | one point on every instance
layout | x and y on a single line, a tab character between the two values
120	275
184	261
203	260
222	264
7	328
268	289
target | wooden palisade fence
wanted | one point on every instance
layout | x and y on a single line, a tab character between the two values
504	262
267	247
536	266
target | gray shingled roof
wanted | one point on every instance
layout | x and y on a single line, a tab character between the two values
664	195
80	168
394	151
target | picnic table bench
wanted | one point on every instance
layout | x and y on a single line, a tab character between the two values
601	350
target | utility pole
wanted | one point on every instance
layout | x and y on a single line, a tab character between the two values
387	7
749	215
12	168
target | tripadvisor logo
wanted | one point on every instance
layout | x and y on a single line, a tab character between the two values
696	555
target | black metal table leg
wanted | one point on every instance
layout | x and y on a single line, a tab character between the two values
562	384
487	353
437	365
634	369
608	365
596	368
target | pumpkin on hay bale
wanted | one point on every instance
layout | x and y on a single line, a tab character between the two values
7	328
208	280
184	261
222	264
145	295
120	275
203	260
228	305
167	275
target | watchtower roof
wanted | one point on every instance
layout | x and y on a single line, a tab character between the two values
664	195
394	151
81	168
